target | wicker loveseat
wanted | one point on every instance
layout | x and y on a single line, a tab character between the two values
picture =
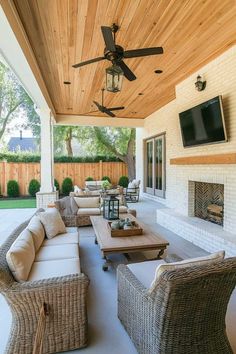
59	300
76	210
183	314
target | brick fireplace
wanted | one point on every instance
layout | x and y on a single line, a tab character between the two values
206	201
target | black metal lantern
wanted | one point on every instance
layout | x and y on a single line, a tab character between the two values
111	207
114	78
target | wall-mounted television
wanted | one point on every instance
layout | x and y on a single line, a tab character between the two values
203	124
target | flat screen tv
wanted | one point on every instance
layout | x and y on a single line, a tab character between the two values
203	124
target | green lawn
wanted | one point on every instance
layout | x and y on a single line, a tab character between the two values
17	203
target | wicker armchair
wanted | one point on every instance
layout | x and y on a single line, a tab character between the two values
65	297
184	315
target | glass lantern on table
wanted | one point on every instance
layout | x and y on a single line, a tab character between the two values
111	207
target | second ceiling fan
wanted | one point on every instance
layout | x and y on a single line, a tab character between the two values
115	53
106	110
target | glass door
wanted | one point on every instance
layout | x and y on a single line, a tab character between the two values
155	166
159	167
149	167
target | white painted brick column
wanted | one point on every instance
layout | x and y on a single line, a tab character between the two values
47	193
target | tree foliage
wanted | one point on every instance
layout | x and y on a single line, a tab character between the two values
119	142
14	101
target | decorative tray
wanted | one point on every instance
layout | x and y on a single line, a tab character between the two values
135	231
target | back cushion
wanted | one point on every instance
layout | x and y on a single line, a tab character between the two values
37	230
20	256
93	202
52	222
214	257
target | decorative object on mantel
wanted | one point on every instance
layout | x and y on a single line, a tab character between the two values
200	85
111	207
125	227
216	159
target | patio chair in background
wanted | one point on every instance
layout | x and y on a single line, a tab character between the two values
132	191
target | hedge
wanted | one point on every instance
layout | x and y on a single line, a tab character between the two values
13	189
27	157
34	187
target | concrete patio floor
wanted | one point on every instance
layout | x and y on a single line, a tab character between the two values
106	333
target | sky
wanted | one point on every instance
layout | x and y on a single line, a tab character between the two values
13	127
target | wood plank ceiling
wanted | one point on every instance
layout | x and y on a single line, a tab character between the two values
65	32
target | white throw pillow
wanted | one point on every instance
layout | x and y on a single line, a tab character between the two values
136	183
20	256
93	202
131	185
37	230
211	258
52	222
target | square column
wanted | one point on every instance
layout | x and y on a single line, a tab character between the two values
47	193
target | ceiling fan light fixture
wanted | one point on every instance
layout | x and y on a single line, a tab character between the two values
114	78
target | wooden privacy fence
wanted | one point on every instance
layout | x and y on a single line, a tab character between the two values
23	172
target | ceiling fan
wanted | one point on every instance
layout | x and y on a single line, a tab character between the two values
115	53
104	109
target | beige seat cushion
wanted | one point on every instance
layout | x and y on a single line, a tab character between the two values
65	251
20	256
37	230
214	257
51	269
145	271
122	209
52	222
89	202
89	211
71	236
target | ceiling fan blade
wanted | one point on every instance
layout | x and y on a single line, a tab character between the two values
109	113
142	52
108	38
88	62
115	108
99	106
127	72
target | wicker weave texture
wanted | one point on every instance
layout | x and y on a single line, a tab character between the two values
184	315
66	325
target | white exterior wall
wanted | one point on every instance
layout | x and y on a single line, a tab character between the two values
220	75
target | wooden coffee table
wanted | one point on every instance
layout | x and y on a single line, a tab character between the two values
110	245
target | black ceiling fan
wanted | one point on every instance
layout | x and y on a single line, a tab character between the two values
116	53
104	109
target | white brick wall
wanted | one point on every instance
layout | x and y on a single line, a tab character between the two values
220	75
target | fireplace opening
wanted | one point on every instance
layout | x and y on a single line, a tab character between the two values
209	202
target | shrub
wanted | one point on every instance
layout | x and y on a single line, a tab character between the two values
67	186
123	181
89	179
13	189
106	178
106	184
56	184
34	187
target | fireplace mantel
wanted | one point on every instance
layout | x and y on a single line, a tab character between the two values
217	159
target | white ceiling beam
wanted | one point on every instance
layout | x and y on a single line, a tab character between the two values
99	121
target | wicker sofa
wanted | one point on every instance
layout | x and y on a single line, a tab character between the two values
51	300
76	210
182	311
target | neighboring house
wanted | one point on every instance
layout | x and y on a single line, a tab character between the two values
22	144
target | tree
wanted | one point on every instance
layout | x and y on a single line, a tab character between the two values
63	135
110	141
14	100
